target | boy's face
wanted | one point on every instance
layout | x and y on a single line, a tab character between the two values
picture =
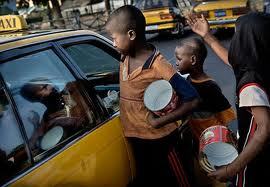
184	60
121	41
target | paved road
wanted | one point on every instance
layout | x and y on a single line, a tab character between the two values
213	65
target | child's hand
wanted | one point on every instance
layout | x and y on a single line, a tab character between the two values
153	120
198	25
222	174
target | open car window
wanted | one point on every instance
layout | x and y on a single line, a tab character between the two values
101	68
92	59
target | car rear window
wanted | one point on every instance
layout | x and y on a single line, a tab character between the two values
151	4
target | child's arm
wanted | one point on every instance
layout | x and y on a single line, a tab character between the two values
254	147
188	98
201	27
175	115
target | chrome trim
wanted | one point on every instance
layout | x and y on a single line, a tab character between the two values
221	22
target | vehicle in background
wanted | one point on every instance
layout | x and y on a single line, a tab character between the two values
83	66
221	13
162	16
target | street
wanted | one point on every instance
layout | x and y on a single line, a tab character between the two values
213	65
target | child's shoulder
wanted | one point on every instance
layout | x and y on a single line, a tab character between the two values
203	81
208	83
160	61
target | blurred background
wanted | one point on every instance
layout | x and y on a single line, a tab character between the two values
85	14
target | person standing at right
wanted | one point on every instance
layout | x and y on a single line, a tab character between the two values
249	57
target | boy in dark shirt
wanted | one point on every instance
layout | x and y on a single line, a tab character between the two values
214	108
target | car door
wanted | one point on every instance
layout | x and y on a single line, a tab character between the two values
92	154
98	62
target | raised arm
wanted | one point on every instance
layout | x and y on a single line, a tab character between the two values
200	26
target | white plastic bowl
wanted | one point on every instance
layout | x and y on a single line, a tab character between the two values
158	95
52	137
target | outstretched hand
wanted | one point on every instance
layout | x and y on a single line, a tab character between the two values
198	24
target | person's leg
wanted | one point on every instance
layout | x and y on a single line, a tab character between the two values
179	162
158	162
153	168
142	156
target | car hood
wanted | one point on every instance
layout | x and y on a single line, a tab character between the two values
213	5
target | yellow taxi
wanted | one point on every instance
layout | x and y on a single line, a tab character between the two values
221	13
82	66
161	16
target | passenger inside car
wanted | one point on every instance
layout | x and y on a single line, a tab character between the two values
62	110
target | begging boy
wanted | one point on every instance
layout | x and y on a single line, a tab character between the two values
214	108
153	138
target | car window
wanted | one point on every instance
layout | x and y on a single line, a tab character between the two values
49	100
151	4
101	68
13	155
91	59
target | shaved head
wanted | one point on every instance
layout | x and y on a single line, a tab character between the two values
196	47
127	18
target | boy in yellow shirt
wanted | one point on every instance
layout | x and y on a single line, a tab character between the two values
153	138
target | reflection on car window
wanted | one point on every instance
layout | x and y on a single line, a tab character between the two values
48	99
151	4
13	156
92	59
95	61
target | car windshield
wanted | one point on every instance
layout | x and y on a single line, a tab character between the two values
151	4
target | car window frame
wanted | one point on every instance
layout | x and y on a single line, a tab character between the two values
107	44
107	47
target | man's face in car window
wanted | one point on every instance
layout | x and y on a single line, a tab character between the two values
43	90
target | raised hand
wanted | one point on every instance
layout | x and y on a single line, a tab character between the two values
198	24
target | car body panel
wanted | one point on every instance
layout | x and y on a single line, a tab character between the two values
161	16
154	21
152	16
220	4
83	163
223	13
